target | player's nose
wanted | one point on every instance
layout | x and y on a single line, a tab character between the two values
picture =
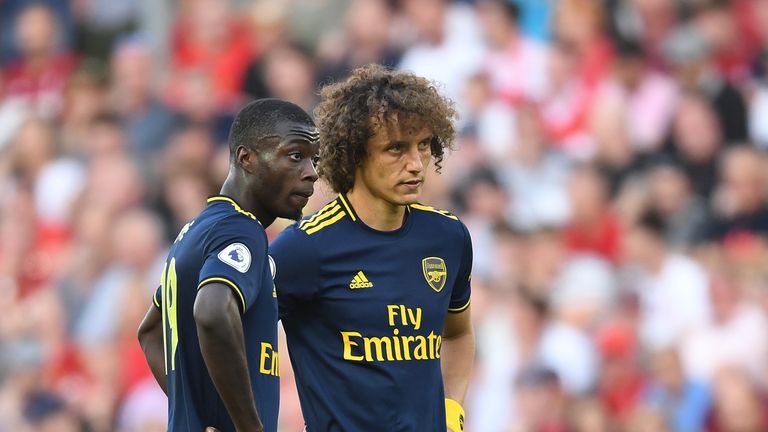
413	161
309	173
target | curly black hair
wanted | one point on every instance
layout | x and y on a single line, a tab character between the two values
351	111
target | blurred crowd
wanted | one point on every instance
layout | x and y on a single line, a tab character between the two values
611	167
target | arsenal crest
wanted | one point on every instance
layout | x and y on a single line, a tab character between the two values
435	272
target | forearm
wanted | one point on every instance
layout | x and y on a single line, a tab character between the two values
223	349
151	341
154	353
457	358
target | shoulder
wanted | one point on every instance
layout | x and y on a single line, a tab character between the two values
233	225
302	233
221	208
437	223
292	251
327	220
291	235
436	217
327	216
432	212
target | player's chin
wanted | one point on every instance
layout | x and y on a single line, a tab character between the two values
406	194
408	198
291	213
293	206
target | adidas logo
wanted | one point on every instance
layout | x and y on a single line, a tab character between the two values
360	281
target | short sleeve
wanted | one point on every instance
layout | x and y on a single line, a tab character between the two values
236	256
297	275
460	295
157	298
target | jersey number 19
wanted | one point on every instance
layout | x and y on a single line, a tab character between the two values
168	289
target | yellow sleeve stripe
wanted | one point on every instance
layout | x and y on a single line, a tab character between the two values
322	217
330	221
434	210
226	282
155	302
320	212
346	206
461	308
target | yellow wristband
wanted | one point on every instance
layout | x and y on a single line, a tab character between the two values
454	416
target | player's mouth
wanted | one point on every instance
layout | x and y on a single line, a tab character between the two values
303	196
412	185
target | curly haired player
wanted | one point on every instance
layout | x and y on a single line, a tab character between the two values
374	289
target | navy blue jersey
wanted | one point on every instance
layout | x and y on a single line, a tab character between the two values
363	311
227	245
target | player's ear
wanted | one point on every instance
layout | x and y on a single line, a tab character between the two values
245	158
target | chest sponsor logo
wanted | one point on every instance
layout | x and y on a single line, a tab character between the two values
360	281
408	340
435	272
236	256
269	361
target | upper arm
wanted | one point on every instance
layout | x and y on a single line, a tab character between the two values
296	268
461	292
236	259
214	302
458	324
152	321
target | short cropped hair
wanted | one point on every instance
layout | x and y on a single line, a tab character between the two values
652	223
511	10
350	111
259	119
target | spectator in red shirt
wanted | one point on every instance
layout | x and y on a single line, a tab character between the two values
207	39
621	382
593	227
37	79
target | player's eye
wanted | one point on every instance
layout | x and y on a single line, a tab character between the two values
424	145
295	156
315	161
395	148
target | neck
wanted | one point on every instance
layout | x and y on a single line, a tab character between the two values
234	187
512	39
376	212
656	262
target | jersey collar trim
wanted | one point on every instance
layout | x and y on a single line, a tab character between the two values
347	206
224	198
